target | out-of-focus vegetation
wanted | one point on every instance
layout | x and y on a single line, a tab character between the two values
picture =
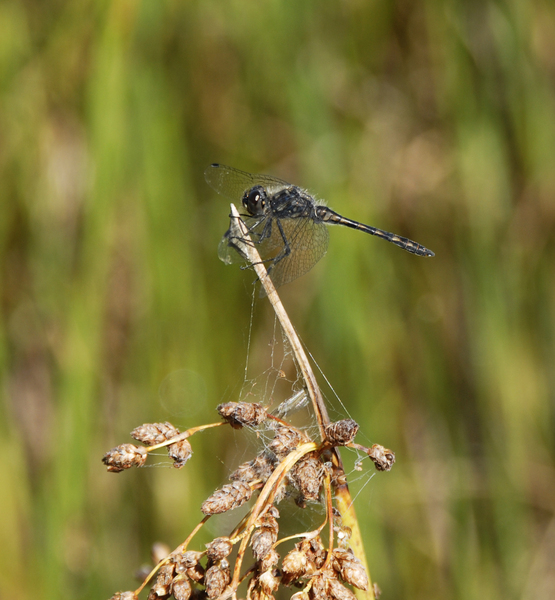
435	120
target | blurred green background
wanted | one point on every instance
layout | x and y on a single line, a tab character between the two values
435	120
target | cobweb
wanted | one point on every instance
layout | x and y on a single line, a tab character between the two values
270	377
280	388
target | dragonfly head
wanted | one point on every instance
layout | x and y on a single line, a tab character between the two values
255	200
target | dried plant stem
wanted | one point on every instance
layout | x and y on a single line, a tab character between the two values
329	516
184	435
245	244
343	498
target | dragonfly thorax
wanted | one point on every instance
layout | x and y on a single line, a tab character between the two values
254	200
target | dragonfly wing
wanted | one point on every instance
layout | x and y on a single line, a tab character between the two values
233	183
228	251
307	242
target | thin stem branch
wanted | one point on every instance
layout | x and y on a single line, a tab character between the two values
248	248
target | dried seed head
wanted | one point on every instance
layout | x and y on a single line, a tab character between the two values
151	434
269	581
300	596
294	564
186	560
307	476
341	432
350	568
266	535
272	511
162	585
216	579
124	596
314	551
181	588
228	497
180	452
318	589
259	468
238	414
286	439
125	456
268	518
262	541
188	564
219	548
377	590
337	590
382	457
269	561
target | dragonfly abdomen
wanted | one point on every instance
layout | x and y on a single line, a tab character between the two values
329	216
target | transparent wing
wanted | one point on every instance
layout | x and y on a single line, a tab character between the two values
233	183
227	251
307	241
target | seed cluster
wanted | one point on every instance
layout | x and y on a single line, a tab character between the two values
291	465
239	414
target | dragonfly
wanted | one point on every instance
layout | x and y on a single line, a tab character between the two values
287	225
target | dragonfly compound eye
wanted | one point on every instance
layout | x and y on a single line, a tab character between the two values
255	200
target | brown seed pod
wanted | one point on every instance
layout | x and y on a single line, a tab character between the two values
269	581
318	590
307	476
286	439
162	585
151	434
180	452
216	579
124	596
188	564
315	553
350	568
381	457
187	560
228	497
337	590
341	432
262	541
268	562
125	456
181	588
238	414
219	548
266	535
294	565
260	467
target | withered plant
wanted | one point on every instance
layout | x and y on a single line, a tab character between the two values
325	562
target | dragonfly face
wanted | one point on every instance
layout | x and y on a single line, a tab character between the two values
255	201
